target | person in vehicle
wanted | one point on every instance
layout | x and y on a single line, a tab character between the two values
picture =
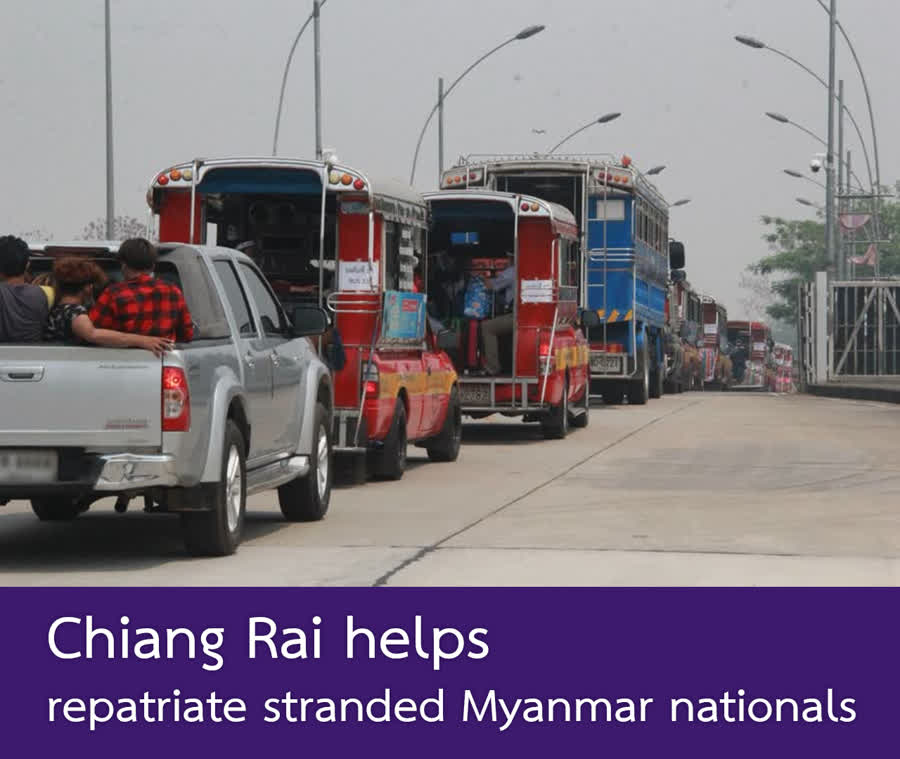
143	304
69	322
504	287
23	306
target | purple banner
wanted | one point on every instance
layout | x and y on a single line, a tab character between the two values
426	672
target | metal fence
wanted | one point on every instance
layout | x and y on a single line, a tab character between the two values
864	321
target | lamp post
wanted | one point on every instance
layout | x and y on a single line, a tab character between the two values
527	32
110	187
805	202
756	44
682	202
798	175
604	119
655	170
287	67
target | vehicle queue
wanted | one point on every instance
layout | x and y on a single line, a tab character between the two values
524	286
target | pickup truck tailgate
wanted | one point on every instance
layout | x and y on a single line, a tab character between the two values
60	396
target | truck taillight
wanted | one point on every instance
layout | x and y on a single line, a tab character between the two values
176	400
547	360
370	382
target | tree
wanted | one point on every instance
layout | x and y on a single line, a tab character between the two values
124	227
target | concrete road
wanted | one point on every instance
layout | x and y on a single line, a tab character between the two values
695	489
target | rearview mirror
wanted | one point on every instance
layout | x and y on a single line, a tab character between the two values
447	340
678	275
589	319
676	255
309	320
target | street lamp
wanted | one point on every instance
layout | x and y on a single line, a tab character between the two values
287	68
526	33
756	44
798	175
805	202
682	202
110	187
865	85
782	119
605	119
655	170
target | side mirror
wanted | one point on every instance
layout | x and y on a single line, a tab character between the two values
309	320
446	340
589	319
678	275
676	255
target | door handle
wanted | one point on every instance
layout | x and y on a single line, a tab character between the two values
275	360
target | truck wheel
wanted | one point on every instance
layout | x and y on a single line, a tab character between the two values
580	421
555	425
217	532
306	498
639	390
56	509
389	463
445	446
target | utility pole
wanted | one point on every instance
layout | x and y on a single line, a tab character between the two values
842	201
318	78
830	253
110	189
440	127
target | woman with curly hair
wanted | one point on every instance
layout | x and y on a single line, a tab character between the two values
76	281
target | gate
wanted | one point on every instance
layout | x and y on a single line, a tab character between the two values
865	329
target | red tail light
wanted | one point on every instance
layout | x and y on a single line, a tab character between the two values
176	400
371	389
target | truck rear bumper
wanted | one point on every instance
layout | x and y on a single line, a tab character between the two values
127	471
344	434
84	474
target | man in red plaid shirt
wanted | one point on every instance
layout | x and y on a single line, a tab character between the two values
142	304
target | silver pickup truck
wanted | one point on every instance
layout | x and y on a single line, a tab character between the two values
245	407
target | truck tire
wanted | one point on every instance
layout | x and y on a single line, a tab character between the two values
555	425
389	463
56	509
445	446
217	532
639	390
306	498
580	421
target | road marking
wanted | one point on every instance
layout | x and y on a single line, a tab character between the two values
421	554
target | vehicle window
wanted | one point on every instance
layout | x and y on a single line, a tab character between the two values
390	255
234	294
270	313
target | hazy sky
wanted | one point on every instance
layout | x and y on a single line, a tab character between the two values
201	78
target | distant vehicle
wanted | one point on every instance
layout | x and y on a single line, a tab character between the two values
327	234
543	356
752	346
245	407
623	220
684	324
718	372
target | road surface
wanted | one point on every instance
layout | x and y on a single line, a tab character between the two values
694	489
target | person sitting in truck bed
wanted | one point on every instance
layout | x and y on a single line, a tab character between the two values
504	287
23	306
68	320
143	304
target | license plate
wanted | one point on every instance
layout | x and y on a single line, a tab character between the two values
477	394
606	365
28	466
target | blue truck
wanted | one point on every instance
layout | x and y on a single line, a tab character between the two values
626	256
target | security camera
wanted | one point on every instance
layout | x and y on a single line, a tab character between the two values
815	165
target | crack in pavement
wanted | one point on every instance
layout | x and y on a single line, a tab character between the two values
422	553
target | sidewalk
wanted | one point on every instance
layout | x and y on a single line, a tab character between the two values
882	389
